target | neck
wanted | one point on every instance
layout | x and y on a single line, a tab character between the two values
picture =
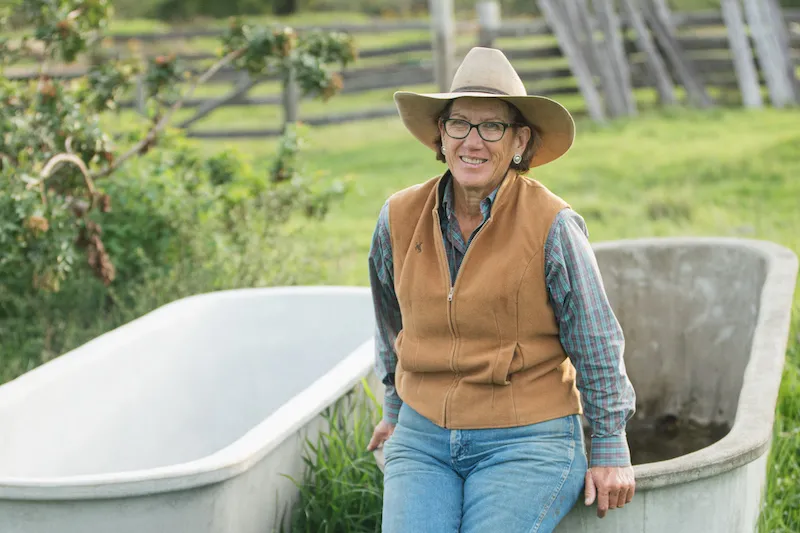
468	199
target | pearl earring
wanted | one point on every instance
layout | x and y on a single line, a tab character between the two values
442	148
517	159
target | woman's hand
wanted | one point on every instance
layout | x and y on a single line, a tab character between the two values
381	434
612	486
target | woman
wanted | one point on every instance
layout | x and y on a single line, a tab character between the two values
494	333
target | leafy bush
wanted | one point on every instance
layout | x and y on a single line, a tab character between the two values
89	225
54	153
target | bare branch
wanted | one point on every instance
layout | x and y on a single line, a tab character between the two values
60	159
151	135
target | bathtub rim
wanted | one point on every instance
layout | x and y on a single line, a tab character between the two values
750	435
226	463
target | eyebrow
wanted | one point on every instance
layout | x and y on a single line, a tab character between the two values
464	117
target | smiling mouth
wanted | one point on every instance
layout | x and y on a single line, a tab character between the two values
473	161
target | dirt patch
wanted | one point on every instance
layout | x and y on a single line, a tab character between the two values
667	437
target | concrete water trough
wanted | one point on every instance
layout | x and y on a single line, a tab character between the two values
187	419
706	324
183	421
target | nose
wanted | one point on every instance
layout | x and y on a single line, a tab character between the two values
473	139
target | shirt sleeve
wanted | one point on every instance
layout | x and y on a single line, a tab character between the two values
388	321
592	337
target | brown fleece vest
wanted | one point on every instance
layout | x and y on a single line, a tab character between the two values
485	353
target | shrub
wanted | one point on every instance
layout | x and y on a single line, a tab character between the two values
87	227
55	156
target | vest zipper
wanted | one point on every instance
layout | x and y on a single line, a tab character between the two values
450	295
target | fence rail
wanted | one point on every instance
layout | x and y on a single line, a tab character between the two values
709	55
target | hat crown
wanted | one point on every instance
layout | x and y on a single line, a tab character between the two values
487	70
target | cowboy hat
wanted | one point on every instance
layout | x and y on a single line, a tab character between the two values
487	73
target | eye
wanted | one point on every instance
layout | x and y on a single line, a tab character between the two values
493	127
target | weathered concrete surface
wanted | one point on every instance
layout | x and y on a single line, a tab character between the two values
184	421
706	324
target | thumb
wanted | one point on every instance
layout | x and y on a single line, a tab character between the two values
373	442
591	490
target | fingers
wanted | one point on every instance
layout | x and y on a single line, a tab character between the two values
379	436
622	499
602	502
590	491
631	490
373	443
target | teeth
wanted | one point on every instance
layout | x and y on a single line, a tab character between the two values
472	160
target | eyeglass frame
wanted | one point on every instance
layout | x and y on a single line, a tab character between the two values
505	125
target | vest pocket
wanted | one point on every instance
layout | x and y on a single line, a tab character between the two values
507	361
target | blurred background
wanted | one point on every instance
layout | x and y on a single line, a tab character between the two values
154	149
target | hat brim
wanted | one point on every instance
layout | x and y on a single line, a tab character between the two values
556	127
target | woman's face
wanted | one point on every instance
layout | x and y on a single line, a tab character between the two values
474	162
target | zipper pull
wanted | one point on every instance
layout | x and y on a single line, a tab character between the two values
450	296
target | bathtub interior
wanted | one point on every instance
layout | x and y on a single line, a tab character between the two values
689	314
179	384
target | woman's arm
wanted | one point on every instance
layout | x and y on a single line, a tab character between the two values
388	321
593	340
591	336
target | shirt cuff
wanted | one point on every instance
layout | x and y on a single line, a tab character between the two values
391	405
610	451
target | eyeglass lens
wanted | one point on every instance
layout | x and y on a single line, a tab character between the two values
489	131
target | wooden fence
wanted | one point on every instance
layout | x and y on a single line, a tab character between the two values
707	58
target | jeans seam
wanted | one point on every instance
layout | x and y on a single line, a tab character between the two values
564	476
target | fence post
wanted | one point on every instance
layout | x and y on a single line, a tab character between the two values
610	23
488	21
768	50
444	42
742	55
684	69
656	65
558	21
785	44
290	96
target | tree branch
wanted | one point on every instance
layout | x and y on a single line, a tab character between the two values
58	160
151	135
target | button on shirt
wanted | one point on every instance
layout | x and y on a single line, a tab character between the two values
588	329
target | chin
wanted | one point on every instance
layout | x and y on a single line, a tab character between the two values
472	177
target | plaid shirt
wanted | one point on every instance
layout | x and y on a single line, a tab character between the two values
588	329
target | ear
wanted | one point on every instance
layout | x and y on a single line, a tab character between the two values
521	139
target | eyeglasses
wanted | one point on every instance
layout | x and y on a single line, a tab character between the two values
489	131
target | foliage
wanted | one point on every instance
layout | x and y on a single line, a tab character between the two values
342	486
56	161
181	223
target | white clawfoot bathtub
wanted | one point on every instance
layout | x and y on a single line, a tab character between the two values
182	421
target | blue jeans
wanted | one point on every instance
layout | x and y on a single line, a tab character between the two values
511	480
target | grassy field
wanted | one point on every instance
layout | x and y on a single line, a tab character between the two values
724	173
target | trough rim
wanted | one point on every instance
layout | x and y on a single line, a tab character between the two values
748	439
751	434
